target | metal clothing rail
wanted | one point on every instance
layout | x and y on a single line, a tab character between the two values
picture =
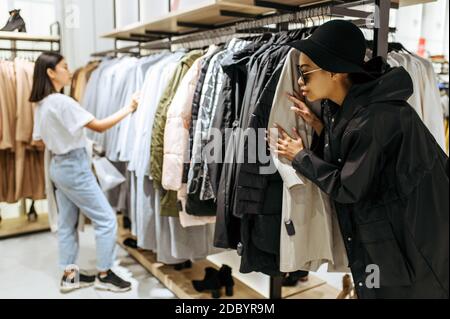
304	15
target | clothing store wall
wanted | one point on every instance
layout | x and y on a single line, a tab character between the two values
428	21
82	24
131	11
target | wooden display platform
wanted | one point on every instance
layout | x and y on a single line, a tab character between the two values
179	282
322	292
13	227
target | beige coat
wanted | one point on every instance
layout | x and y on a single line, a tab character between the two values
29	176
7	105
317	238
7	140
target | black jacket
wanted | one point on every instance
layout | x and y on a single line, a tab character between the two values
387	178
248	200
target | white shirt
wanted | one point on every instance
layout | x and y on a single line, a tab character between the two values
59	121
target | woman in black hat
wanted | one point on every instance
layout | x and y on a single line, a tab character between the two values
380	165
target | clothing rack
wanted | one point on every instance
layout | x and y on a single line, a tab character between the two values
24	226
285	17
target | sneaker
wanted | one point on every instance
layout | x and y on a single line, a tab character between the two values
112	282
68	283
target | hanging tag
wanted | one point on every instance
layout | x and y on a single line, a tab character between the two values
290	227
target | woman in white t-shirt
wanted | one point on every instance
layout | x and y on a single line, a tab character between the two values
59	122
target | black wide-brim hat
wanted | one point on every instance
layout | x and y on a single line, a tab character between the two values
337	46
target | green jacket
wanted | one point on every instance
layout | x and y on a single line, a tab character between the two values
169	198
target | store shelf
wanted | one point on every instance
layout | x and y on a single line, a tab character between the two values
278	3
12	227
180	282
207	15
20	36
405	3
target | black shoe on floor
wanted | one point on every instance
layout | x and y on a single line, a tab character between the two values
130	242
211	282
291	279
181	266
68	283
226	279
111	282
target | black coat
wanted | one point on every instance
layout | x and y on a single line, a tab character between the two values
387	178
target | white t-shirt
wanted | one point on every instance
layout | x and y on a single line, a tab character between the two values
59	121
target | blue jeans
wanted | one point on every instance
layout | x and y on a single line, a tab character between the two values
77	188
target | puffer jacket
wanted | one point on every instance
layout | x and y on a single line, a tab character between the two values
169	199
176	134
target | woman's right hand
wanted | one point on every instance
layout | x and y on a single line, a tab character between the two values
303	111
135	99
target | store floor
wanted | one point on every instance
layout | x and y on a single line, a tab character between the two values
28	269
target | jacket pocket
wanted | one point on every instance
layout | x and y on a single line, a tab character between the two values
379	241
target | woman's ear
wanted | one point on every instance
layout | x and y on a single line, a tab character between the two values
51	73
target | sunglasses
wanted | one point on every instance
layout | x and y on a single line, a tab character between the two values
303	74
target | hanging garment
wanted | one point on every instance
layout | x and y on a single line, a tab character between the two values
446	135
30	179
191	203
176	133
196	106
25	178
169	200
229	216
7	143
7	176
8	104
198	178
132	82
80	80
119	98
127	128
176	140
187	220
175	244
317	239
386	175
230	100
426	97
142	218
101	102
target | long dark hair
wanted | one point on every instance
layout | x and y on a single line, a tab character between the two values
42	85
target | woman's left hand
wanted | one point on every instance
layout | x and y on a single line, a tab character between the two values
285	146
